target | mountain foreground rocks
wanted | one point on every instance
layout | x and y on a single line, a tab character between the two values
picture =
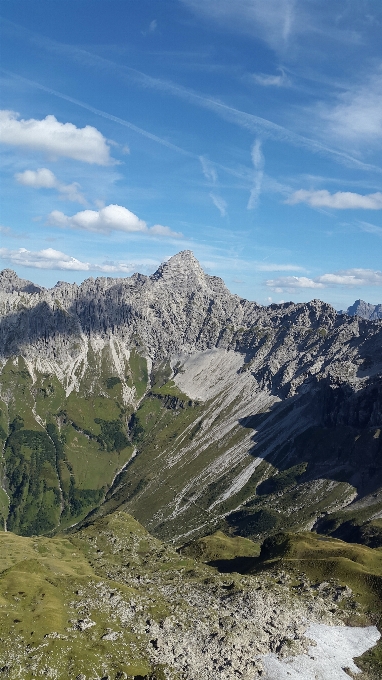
111	601
196	411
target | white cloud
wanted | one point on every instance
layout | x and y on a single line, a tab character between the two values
341	200
42	259
41	178
54	138
353	277
107	219
292	282
219	203
57	260
258	164
346	277
46	179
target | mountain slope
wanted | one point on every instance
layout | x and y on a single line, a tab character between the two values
192	408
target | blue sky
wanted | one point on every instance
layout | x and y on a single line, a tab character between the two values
249	132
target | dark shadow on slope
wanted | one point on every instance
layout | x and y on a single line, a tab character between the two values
329	432
339	437
241	565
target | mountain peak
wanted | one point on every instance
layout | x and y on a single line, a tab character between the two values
10	282
181	266
365	310
185	258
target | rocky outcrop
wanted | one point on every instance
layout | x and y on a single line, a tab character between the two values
365	310
179	308
11	283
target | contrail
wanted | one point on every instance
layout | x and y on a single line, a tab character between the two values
125	123
248	121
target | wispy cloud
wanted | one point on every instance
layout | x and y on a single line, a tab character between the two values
46	179
272	20
252	123
209	169
108	219
356	117
10	233
49	258
273	267
258	164
349	278
240	173
371	228
220	203
269	80
54	138
279	23
153	25
104	114
211	175
341	200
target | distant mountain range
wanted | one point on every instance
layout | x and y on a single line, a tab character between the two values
364	309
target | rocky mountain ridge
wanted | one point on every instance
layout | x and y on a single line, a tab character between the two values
178	310
189	401
364	310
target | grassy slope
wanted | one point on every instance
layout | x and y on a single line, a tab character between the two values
284	492
219	546
41	582
70	473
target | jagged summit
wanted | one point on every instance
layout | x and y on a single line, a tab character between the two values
10	282
180	308
183	267
365	310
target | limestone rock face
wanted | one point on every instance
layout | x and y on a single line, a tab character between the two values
178	310
365	310
10	282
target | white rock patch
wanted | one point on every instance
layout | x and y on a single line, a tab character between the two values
205	374
335	648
